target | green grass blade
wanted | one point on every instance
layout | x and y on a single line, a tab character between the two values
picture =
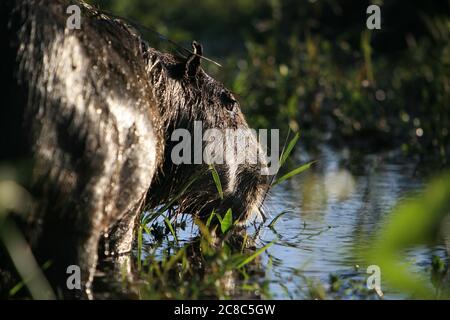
173	259
227	221
211	216
23	282
285	142
172	230
219	218
286	153
16	288
255	255
139	255
294	172
272	223
244	242
147	230
216	179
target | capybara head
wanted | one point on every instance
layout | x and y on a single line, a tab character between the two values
205	132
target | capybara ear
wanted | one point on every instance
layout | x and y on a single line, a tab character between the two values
193	62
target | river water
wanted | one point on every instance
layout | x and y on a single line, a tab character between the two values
333	210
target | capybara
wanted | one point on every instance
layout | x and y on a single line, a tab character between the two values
94	109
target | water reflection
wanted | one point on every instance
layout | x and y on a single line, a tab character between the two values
339	184
334	208
330	210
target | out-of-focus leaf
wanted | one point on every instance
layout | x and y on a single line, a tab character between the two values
413	222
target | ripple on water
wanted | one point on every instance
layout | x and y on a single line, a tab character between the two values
334	208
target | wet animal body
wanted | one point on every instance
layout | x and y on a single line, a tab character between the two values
93	110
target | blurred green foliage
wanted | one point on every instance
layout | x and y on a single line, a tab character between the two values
314	65
418	221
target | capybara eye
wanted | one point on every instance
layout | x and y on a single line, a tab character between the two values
228	100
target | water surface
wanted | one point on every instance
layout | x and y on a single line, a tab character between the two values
331	210
335	208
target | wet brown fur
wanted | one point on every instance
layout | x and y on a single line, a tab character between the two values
94	109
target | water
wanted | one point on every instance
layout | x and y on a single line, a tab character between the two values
333	209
